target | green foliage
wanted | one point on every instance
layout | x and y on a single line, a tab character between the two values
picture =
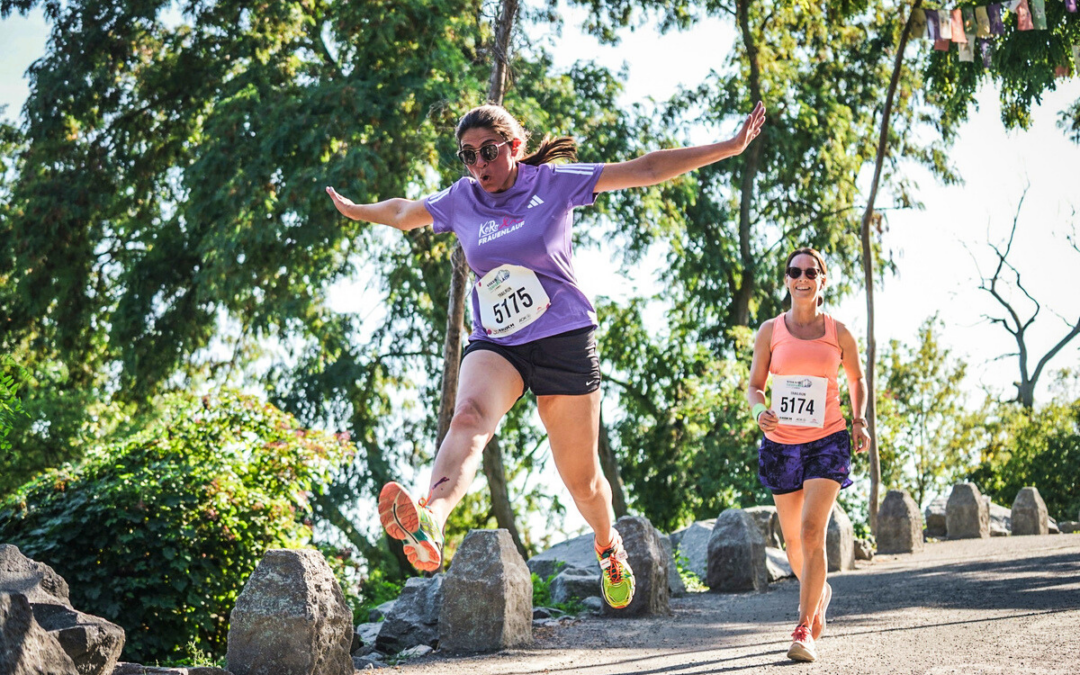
693	582
159	533
375	589
923	441
10	406
542	594
1038	448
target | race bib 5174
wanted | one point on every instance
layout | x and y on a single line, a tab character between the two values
799	400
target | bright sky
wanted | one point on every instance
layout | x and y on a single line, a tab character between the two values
936	272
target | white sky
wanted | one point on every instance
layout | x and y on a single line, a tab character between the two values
936	273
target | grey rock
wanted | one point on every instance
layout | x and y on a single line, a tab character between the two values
1052	526
367	663
414	618
138	669
676	587
367	633
573	584
864	550
25	647
967	516
93	643
593	603
692	543
380	612
577	553
768	521
546	613
487	599
646	555
900	526
936	523
1000	518
777	565
290	619
840	541
419	650
1068	526
1029	513
736	554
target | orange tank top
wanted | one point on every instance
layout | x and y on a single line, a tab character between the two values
817	358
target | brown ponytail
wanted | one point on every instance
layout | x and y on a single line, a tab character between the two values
497	119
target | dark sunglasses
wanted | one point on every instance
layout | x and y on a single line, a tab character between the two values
796	272
488	151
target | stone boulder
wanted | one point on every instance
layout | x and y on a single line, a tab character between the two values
647	557
1052	526
366	633
574	583
736	554
967	516
93	643
900	526
676	587
1028	513
840	541
692	543
414	618
768	521
936	523
487	596
290	619
380	612
1000	518
25	647
577	553
777	564
864	550
1068	526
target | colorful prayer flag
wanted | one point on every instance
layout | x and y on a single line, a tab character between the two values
982	21
1038	14
1070	5
933	25
942	45
918	23
969	21
986	49
1013	4
956	19
1023	16
997	26
967	51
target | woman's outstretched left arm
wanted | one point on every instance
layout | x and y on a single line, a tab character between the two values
849	355
661	165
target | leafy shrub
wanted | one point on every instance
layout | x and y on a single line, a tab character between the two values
159	533
542	594
10	406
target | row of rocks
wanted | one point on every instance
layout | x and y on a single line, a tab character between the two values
968	514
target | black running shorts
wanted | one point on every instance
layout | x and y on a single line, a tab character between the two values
566	364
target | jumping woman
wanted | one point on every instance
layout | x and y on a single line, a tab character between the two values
805	456
532	325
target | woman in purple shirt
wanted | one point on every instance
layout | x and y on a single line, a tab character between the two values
532	326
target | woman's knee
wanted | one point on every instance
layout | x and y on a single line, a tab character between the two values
469	415
585	488
812	536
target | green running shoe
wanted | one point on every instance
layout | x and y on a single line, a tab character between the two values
413	523
616	577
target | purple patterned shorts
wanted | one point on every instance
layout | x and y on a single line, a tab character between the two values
783	468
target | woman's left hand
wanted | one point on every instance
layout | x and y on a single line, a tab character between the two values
750	128
859	436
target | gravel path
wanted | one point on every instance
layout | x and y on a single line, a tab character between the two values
993	606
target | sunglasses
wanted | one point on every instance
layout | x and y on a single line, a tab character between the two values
488	151
796	272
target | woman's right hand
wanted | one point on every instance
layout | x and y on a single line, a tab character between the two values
767	421
343	204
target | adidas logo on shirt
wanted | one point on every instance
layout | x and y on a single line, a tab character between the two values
535	201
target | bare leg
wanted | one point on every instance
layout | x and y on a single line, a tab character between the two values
819	496
487	387
573	426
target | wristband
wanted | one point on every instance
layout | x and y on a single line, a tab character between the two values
756	411
858	420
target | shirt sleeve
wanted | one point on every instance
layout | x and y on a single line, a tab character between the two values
577	181
441	207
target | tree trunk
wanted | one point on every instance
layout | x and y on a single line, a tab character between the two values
500	497
611	471
494	470
740	305
868	271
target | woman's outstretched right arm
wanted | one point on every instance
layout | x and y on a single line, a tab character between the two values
403	214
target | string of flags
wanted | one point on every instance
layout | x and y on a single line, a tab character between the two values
971	28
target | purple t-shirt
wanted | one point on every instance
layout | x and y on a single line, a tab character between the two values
528	225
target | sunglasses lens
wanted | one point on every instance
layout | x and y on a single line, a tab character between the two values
467	156
489	152
810	273
796	272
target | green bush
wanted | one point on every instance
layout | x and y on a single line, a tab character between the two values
159	533
1039	448
10	406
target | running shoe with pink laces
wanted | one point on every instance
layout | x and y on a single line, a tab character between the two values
412	522
802	646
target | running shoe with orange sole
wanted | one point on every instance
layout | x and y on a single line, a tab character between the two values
411	522
616	578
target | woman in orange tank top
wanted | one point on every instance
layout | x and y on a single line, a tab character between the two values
805	456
